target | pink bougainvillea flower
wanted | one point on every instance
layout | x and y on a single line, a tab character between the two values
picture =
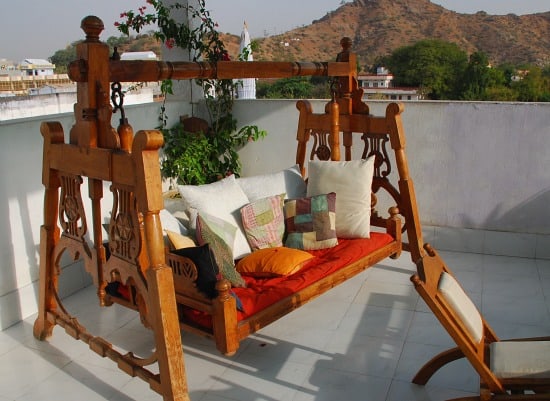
169	43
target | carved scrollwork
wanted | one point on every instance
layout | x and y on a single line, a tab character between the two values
377	145
72	217
183	267
124	232
320	147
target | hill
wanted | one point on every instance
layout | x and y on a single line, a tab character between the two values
377	27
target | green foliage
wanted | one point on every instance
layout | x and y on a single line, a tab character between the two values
204	157
434	65
532	87
62	58
201	158
441	71
476	77
294	88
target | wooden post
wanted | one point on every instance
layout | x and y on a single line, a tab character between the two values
49	233
406	187
161	295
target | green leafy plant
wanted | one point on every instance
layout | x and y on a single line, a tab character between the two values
203	157
200	158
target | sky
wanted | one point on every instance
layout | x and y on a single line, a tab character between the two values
38	28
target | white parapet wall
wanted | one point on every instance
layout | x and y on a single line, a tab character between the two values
17	107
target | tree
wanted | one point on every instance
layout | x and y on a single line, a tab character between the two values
532	87
62	58
286	88
434	65
476	77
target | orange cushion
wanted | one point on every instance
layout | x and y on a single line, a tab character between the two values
179	241
272	262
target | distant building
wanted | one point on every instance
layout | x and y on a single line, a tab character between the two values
7	67
36	67
382	79
22	85
380	86
147	55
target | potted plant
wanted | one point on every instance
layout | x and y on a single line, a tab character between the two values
208	155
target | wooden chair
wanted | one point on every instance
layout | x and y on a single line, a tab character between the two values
508	370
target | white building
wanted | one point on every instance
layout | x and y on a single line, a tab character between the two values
380	86
36	67
382	79
146	55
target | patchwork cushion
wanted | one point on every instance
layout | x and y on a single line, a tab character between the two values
219	234
310	222
352	182
273	262
263	222
207	269
222	199
288	181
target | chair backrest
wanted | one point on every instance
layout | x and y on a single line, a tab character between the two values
457	314
344	132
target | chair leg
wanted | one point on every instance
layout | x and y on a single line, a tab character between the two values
433	365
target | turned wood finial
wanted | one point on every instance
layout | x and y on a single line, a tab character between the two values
429	249
223	286
346	43
92	26
393	211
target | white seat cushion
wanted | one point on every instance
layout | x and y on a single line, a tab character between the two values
520	359
462	305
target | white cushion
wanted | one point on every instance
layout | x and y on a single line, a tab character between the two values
462	305
352	182
222	199
176	206
520	359
289	182
171	223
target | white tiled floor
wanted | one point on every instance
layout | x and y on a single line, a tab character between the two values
364	340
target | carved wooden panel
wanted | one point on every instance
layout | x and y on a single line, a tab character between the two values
72	217
124	230
321	146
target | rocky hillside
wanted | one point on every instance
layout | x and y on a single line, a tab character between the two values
378	27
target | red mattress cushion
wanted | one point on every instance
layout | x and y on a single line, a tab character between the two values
262	292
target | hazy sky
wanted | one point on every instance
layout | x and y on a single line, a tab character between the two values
37	28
